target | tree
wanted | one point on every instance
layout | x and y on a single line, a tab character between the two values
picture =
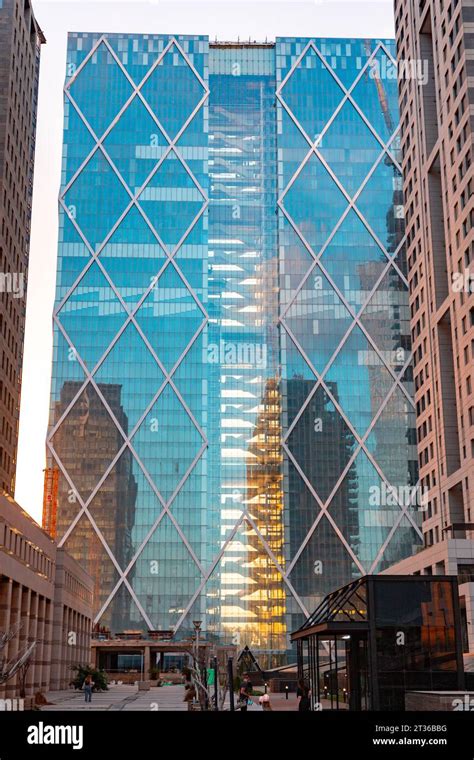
22	674
204	693
9	668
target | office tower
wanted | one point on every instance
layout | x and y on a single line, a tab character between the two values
231	257
435	50
20	44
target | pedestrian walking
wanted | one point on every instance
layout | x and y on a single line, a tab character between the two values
303	693
189	692
265	703
245	692
88	686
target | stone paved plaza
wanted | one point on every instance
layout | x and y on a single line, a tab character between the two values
128	697
123	697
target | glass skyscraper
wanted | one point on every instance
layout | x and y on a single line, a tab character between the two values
232	388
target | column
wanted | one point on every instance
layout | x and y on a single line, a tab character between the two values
6	591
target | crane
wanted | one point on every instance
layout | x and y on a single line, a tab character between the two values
382	95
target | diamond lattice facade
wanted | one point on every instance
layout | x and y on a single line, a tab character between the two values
232	388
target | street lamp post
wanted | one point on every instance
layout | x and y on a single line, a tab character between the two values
230	678
216	685
197	627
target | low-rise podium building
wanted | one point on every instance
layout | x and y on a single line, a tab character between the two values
45	596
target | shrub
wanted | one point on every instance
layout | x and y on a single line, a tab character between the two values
98	676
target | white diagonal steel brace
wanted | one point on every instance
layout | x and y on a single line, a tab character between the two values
211	569
319	377
357	317
347	95
95	255
244	517
323	511
389	256
89	375
164	372
131	316
349	464
313	145
136	90
127	442
155	525
386	542
171	146
135	196
404	508
167	375
350	200
272	557
104	543
312	267
130	320
356	320
166	505
360	440
89	55
128	437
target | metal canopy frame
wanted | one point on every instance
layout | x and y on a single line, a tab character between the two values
325	615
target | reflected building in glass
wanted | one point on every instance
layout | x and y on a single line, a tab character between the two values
232	303
85	437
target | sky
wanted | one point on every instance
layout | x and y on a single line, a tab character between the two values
224	19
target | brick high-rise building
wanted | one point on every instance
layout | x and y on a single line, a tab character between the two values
20	44
437	112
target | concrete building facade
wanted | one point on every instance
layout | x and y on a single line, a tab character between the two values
20	44
437	112
45	596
